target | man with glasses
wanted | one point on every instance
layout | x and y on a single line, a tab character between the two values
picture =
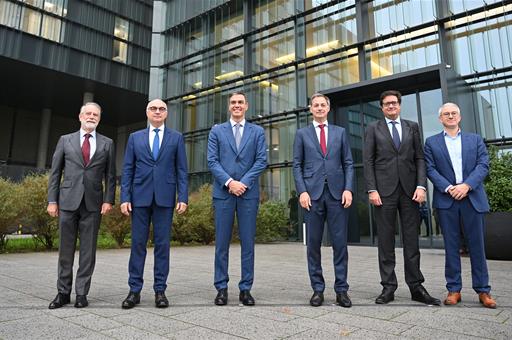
154	170
457	164
395	175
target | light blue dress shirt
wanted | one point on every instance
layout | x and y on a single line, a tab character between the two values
454	146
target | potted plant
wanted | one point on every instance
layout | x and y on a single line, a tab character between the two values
498	186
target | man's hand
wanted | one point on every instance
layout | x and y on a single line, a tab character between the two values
459	191
53	209
105	208
374	198
419	195
126	208
305	200
346	199
237	188
181	207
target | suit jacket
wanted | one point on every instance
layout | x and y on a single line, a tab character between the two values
311	168
244	165
80	181
475	167
145	178
385	167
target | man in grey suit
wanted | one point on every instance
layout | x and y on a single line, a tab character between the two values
323	171
83	158
395	175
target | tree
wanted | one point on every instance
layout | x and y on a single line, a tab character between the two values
116	224
9	210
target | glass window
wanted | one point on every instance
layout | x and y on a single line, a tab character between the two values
388	16
121	28
31	21
273	93
271	49
10	14
120	51
229	23
51	28
333	71
56	7
35	3
269	11
457	6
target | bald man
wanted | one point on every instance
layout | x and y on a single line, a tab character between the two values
154	171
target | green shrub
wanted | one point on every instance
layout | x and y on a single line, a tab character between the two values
9	210
34	195
498	184
271	223
115	224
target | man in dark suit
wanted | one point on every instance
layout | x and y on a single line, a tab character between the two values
236	157
155	168
323	171
457	164
85	158
395	175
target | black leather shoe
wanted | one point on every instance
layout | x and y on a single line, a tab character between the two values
59	301
385	297
343	300
161	300
81	301
131	300
317	299
222	297
246	298
420	294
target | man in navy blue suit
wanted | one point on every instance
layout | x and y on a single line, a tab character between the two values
457	164
323	171
236	157
155	168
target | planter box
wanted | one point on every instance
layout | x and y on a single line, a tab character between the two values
498	236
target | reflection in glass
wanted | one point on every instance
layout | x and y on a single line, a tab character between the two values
121	28
457	6
274	49
9	14
279	136
56	7
120	52
331	72
430	102
51	28
35	3
31	21
269	11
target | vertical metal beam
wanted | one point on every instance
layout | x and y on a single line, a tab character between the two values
362	25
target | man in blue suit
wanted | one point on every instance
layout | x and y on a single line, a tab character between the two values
236	157
457	164
155	168
323	171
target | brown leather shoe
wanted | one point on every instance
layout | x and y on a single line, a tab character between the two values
453	298
487	300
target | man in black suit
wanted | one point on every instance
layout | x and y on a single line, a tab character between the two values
395	175
85	158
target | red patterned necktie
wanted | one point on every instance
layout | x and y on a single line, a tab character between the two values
86	149
323	143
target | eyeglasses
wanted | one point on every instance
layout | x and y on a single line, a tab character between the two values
154	109
388	104
448	114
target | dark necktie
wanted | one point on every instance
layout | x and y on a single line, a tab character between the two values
156	144
396	136
323	143
86	149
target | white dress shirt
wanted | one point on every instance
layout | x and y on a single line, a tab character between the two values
454	146
152	136
233	123
92	141
398	126
317	130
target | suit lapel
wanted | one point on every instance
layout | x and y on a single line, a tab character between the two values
383	127
75	143
165	141
100	143
146	142
228	132
406	132
464	140
314	139
330	138
245	136
444	150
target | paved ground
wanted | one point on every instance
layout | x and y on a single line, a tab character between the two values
281	290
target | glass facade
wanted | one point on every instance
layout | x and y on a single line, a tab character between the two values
280	52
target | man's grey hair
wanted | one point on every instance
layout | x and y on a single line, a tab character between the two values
82	109
317	95
448	104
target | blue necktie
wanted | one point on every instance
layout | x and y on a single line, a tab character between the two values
156	144
238	136
396	136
